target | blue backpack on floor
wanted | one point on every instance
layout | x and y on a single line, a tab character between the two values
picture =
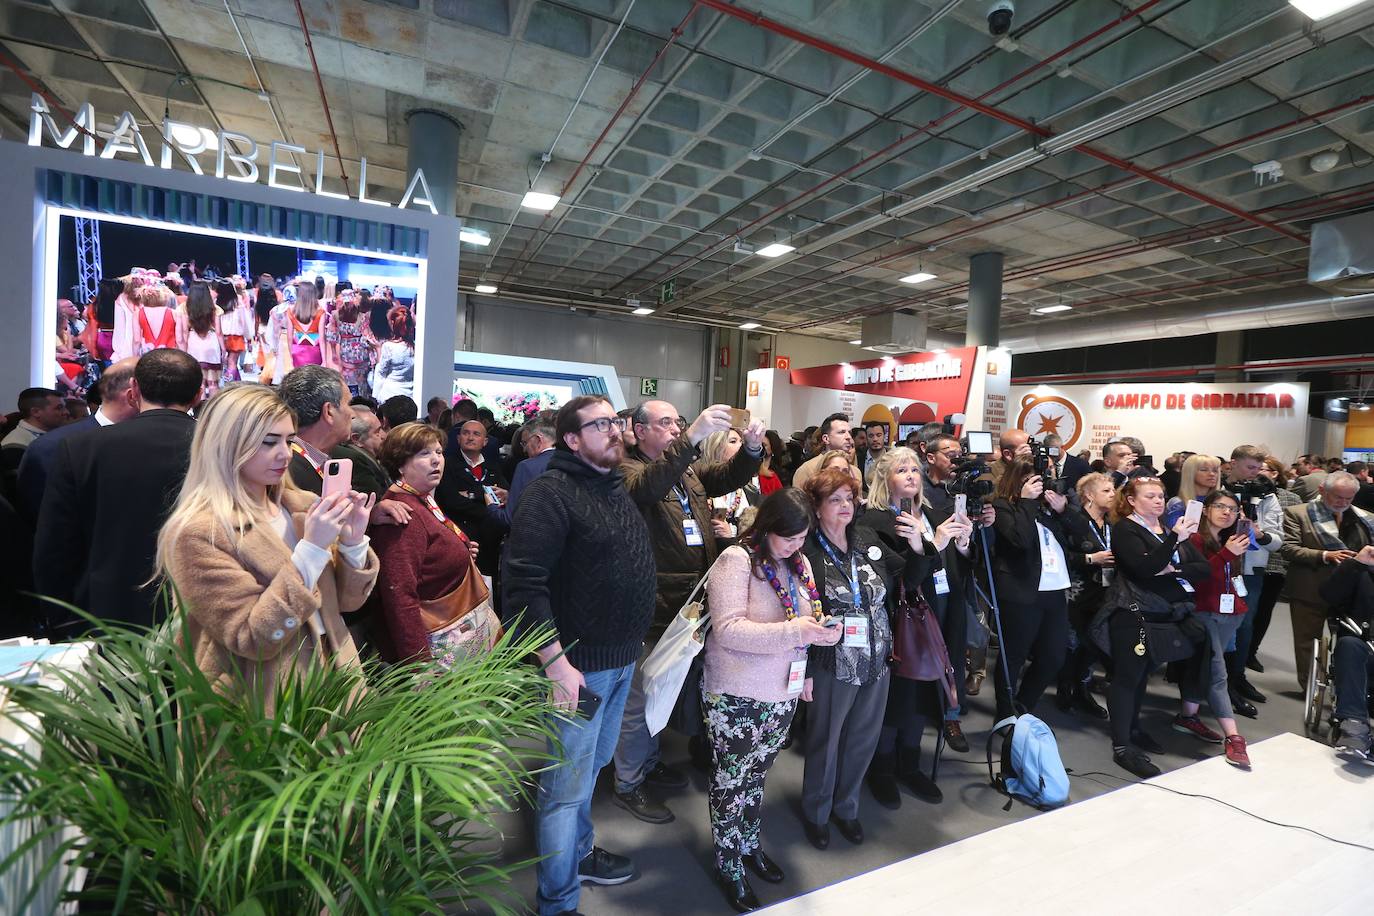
1030	766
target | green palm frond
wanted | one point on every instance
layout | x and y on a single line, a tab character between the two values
353	798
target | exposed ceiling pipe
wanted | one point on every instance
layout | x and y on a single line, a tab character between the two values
35	86
1267	365
1076	139
1273	309
324	102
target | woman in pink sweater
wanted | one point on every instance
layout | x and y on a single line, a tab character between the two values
765	611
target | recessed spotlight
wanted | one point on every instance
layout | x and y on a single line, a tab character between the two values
775	250
856	343
749	326
484	288
918	277
478	237
1321	9
535	200
642	311
1051	309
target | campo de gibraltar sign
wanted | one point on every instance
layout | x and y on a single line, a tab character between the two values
127	139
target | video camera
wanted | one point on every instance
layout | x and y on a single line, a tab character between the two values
1046	457
969	479
1250	493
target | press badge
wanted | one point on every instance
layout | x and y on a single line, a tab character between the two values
942	582
1238	585
1227	605
856	632
796	678
692	533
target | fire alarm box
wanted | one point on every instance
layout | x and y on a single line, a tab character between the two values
725	357
783	362
765	358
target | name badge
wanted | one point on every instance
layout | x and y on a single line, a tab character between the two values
856	632
1107	576
1227	604
1238	585
1049	561
1186	586
796	678
942	582
692	533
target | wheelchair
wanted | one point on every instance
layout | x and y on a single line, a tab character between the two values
1319	703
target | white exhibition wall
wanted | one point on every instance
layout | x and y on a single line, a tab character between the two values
1212	418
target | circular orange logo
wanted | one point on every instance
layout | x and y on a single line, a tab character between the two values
1042	415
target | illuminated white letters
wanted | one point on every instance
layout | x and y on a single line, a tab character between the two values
40	118
426	197
275	165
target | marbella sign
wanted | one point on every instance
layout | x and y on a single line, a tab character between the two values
187	142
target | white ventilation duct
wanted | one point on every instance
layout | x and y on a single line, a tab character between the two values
1279	308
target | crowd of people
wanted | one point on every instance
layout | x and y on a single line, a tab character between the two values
600	526
239	329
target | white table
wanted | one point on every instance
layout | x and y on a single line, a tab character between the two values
1142	850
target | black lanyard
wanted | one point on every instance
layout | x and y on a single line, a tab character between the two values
1107	529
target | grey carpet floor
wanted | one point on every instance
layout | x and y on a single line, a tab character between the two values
675	859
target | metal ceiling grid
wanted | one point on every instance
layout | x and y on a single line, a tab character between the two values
739	129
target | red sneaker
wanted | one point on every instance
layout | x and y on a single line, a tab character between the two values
1235	752
1192	725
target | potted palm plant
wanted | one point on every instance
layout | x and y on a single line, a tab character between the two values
349	799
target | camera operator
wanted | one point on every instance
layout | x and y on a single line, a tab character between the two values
1031	573
945	460
1120	459
1070	468
1012	446
1260	505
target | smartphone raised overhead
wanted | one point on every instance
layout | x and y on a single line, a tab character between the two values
979	442
338	477
739	417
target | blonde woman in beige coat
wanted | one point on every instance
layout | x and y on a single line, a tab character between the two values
262	570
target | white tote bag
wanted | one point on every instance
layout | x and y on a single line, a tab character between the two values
665	670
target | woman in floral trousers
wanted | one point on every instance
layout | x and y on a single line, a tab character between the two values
765	612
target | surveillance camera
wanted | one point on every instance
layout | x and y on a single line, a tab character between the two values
999	18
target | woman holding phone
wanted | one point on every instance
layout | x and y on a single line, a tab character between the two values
1030	570
1220	607
728	512
897	490
847	683
1147	553
1201	474
1091	566
766	610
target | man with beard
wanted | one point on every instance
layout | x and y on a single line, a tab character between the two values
579	563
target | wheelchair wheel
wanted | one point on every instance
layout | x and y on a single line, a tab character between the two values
1318	687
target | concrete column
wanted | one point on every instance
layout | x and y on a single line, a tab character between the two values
1231	352
432	145
984	300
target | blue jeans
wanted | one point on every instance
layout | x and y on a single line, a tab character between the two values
1239	651
1353	663
564	803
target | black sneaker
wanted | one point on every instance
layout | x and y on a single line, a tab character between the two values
663	776
1135	763
638	803
1147	744
602	867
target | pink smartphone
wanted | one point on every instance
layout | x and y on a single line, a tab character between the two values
338	477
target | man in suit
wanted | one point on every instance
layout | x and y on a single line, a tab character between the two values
109	491
1363	499
537	438
875	445
364	440
472	493
1310	477
1317	537
118	402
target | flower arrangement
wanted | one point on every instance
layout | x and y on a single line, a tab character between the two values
512	407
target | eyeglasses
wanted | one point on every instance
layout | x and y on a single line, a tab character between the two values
1229	510
603	424
670	423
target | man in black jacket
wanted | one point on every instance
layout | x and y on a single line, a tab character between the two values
1349	594
106	498
673	490
579	562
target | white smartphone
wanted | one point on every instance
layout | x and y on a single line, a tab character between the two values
1194	511
961	505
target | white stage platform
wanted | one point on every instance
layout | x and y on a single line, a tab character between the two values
1143	850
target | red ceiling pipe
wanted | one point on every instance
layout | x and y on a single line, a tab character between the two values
1036	130
33	85
900	141
1266	366
625	103
319	82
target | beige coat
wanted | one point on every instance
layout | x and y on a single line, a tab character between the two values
248	609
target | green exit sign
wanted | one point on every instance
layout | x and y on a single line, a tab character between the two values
667	292
648	388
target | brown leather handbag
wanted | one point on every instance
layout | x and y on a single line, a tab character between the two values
918	646
461	624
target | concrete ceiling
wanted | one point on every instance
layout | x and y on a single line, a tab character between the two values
742	131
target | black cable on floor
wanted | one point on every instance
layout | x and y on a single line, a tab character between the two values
1140	782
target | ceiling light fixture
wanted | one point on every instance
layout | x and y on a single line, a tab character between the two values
642	311
478	237
856	343
484	288
775	250
537	200
1363	405
1051	309
1322	9
749	326
920	276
